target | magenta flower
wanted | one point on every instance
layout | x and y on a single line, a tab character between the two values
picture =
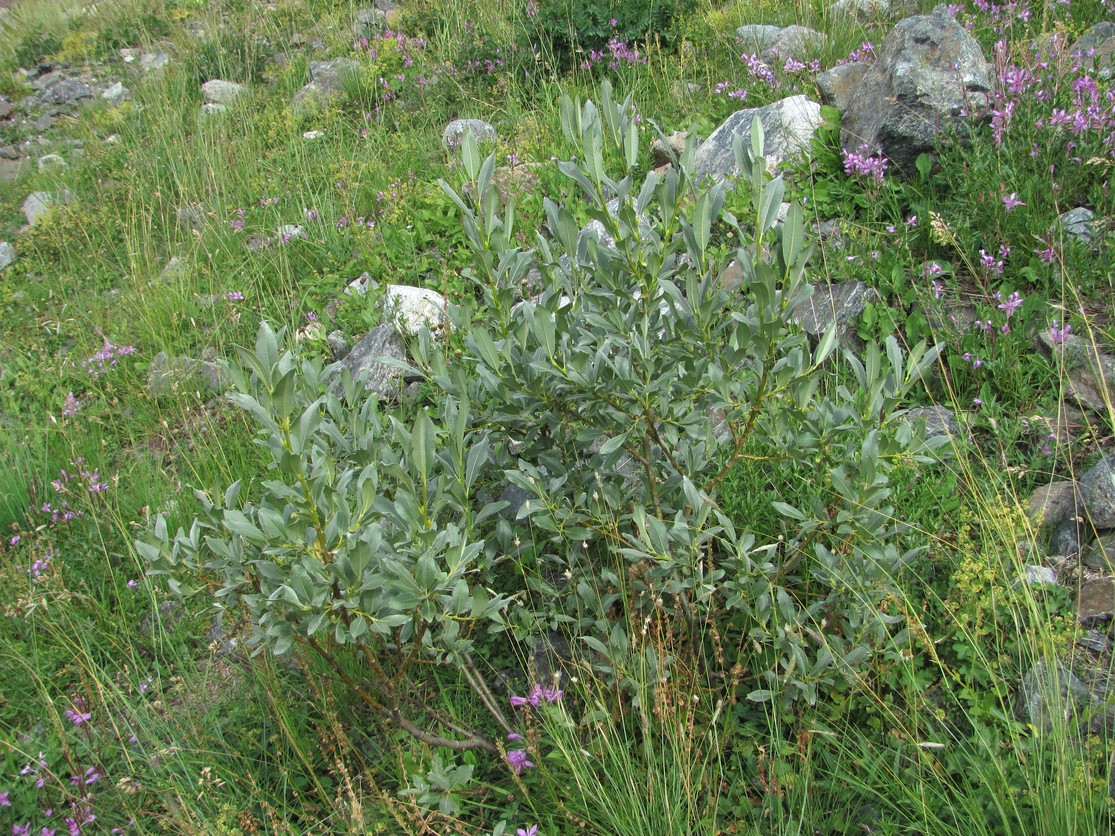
527	831
5	801
519	760
1058	334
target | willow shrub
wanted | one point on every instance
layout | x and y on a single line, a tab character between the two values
610	375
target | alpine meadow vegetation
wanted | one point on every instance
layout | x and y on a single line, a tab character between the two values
603	539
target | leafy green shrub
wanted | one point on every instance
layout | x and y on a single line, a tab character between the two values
571	30
618	398
631	384
35	46
132	27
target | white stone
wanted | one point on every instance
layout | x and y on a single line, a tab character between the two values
860	8
218	91
7	254
210	109
313	134
288	232
156	59
360	285
116	94
410	308
50	161
1036	575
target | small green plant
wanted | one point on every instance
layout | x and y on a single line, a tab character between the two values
363	542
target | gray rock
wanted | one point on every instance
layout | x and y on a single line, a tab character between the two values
757	37
7	254
1052	695
1050	505
661	149
454	132
13	170
797	42
788	126
38	204
1090	372
169	375
860	8
7	152
838	85
332	75
66	91
929	71
935	421
1095	640
412	308
1096	48
1095	605
1079	223
338	345
1100	554
48	161
842	304
369	21
117	94
367	357
1097	491
219	91
154	59
191	217
1040	575
211	109
1068	537
515	497
551	659
327	80
175	269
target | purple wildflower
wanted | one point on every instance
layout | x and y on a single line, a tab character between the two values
1011	201
527	831
72	405
519	760
1058	334
5	801
1013	303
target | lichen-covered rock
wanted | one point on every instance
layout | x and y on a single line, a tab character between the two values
367	358
841	304
1097	491
930	73
838	85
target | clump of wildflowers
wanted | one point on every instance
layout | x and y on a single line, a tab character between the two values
106	358
864	163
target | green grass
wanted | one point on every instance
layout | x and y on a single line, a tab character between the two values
188	738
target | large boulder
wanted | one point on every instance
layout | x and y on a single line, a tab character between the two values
838	85
788	126
929	74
